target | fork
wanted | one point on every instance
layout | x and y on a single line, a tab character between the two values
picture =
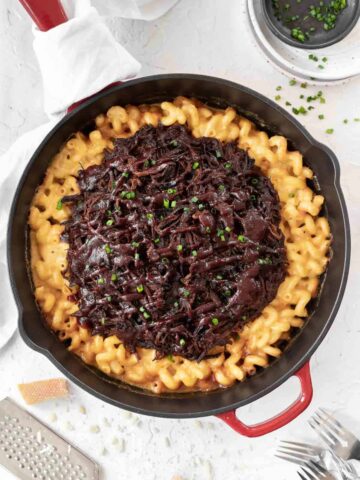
301	453
340	440
314	471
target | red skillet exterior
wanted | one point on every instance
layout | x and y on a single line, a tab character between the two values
220	93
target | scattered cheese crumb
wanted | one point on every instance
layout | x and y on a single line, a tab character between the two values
167	441
115	441
69	426
104	451
82	409
53	417
121	445
38	436
43	390
106	422
94	429
198	424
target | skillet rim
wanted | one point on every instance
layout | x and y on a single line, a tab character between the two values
281	377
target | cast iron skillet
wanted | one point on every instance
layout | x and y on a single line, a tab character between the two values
295	360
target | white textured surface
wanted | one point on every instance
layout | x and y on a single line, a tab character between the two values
198	37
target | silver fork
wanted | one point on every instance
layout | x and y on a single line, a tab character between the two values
340	440
301	453
314	471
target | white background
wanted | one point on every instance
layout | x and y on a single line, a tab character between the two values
208	37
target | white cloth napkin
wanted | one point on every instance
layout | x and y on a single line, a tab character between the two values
77	59
137	9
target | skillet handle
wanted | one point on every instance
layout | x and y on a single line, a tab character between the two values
283	418
45	13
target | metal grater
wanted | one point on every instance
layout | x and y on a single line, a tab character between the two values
30	450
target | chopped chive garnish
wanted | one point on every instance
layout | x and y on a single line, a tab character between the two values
278	97
170	358
218	154
142	309
303	85
227	293
215	321
201	206
321	67
219	277
278	88
254	181
171	191
107	249
329	131
227	229
59	205
288	104
157	240
324	59
173	204
228	165
166	203
356	119
125	174
140	288
221	188
195	165
345	120
135	244
179	248
194	253
114	277
241	238
292	82
194	199
186	209
149	216
321	116
100	281
176	304
109	222
182	342
146	315
265	261
108	298
127	195
174	143
186	293
137	256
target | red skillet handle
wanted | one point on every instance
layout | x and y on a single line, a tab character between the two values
285	417
45	13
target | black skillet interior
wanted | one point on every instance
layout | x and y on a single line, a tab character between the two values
218	93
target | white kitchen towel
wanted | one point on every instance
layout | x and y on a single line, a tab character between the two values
137	9
77	59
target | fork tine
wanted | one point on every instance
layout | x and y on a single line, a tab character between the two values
317	468
342	431
326	425
299	459
289	459
301	446
302	476
295	453
315	426
309	474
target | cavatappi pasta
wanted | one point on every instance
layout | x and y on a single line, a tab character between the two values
307	240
